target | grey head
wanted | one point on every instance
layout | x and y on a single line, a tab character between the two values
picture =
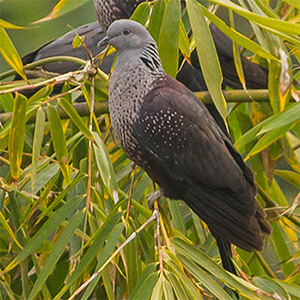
127	35
108	11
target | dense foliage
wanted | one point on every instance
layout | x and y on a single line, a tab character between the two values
66	228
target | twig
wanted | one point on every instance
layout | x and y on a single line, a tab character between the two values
154	216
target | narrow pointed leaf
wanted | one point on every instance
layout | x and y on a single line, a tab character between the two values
45	231
10	54
74	116
168	42
17	135
105	167
207	55
59	141
37	143
56	252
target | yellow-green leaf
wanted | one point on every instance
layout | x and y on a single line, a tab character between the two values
10	53
17	135
6	24
59	141
74	116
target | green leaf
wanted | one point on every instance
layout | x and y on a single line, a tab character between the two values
238	37
74	116
17	135
97	242
9	230
141	13
6	24
269	138
59	141
10	54
189	287
205	280
45	231
270	286
56	252
167	288
176	285
157	293
105	167
284	255
140	286
77	42
157	15
285	117
184	44
7	102
290	176
207	55
283	26
37	143
168	42
145	288
206	263
104	256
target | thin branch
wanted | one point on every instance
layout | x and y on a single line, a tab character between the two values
43	62
102	108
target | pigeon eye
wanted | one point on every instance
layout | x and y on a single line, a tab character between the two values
126	31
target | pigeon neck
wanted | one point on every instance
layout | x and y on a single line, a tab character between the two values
147	56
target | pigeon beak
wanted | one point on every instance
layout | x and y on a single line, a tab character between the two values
103	42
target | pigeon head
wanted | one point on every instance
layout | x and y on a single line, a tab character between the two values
127	35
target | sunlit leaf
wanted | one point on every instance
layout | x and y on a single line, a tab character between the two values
10	54
17	135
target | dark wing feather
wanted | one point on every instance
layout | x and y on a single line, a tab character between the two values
191	159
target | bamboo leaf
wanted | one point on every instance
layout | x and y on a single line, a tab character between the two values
238	37
141	13
6	24
284	26
37	143
204	278
157	14
59	141
176	285
10	53
207	55
168	42
105	167
74	116
9	230
205	262
17	135
97	241
56	252
146	287
157	293
269	138
104	256
290	176
45	231
285	117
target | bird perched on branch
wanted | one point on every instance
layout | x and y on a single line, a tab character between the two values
168	132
